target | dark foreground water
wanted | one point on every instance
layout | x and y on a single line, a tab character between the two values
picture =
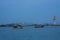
30	33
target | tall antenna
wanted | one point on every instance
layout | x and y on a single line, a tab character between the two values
54	19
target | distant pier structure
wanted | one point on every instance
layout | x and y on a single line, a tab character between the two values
33	25
54	19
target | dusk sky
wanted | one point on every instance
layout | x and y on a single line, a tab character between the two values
29	11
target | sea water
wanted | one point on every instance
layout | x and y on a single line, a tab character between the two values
30	33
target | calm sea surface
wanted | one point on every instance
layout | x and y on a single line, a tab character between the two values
30	33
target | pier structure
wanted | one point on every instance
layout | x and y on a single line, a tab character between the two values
33	25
